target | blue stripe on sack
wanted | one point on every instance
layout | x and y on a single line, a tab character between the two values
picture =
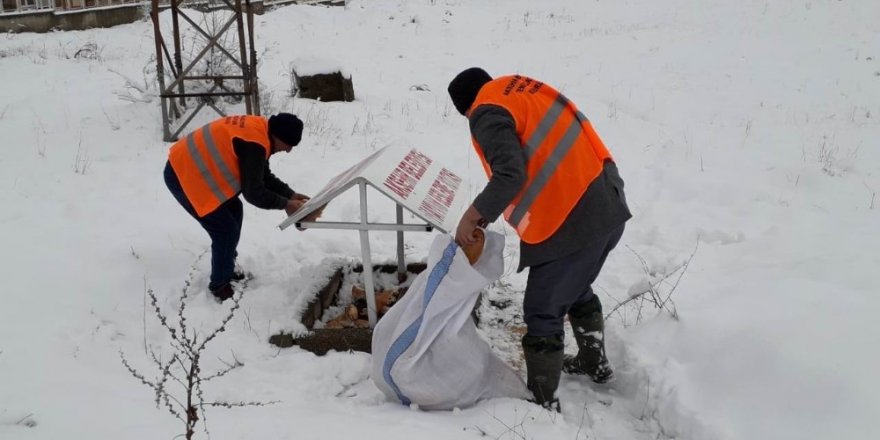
405	340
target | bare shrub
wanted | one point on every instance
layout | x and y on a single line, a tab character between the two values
40	134
138	91
111	121
268	101
833	161
656	291
89	51
13	52
181	377
82	161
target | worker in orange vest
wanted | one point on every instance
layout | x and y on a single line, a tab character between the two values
554	181
210	167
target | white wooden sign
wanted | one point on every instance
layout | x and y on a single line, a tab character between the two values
406	175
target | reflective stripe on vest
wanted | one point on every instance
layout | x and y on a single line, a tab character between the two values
547	122
562	151
215	158
547	170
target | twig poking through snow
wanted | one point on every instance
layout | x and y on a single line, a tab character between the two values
656	296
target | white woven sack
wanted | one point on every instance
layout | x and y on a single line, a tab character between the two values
426	350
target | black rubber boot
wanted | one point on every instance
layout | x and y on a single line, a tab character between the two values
543	368
241	275
589	332
223	292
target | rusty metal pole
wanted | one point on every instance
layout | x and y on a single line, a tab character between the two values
253	77
178	57
160	69
248	102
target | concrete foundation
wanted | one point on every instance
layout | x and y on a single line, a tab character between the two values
45	21
106	16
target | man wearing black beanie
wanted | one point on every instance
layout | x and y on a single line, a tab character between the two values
210	167
554	181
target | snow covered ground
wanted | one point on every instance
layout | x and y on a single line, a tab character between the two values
747	133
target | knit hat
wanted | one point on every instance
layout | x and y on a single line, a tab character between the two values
464	87
286	127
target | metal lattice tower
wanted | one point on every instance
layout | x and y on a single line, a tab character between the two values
220	63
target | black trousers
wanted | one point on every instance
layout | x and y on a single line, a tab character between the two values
553	288
223	225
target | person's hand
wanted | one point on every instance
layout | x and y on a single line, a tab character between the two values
465	233
298	196
293	205
296	202
314	215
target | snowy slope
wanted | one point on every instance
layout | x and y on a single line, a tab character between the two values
747	131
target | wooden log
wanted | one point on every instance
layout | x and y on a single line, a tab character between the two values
321	341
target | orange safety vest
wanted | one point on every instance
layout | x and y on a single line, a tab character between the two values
206	163
563	153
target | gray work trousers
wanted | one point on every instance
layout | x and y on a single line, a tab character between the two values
553	288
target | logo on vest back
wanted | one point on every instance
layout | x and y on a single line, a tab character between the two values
519	84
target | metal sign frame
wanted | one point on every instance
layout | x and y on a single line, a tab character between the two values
355	176
363	227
